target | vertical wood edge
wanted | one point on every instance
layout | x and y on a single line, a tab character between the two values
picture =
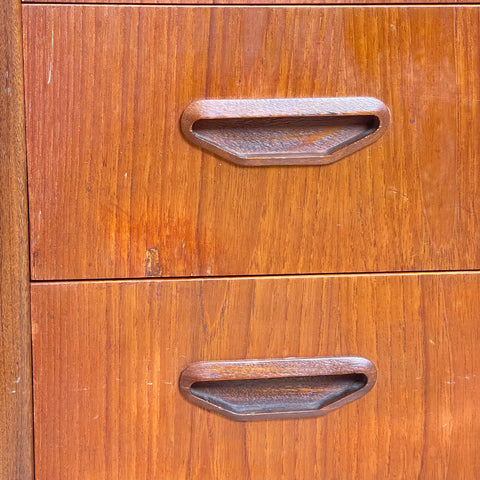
16	406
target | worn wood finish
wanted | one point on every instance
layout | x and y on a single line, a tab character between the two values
16	423
107	359
287	131
116	190
275	389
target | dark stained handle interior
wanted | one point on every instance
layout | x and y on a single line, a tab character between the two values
280	388
288	131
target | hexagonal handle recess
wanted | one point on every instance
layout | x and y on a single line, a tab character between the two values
277	388
288	131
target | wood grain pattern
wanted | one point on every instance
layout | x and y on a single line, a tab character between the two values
108	356
273	389
116	191
16	422
287	131
255	2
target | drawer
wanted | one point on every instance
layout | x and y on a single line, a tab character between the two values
255	2
108	355
116	190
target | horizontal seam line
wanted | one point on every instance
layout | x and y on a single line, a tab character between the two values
259	276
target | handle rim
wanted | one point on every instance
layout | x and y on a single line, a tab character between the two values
287	108
275	369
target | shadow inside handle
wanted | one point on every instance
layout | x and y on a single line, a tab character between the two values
285	136
285	394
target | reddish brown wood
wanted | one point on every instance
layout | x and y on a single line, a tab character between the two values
108	356
277	389
258	2
288	131
117	191
16	423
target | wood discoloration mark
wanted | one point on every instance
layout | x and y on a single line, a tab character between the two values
152	263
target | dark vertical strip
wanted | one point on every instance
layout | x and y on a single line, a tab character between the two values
16	429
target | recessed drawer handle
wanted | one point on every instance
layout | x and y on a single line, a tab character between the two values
282	388
288	131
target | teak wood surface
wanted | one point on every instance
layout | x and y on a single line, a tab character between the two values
116	191
256	2
108	355
16	422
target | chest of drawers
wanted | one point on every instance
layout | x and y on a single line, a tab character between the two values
373	256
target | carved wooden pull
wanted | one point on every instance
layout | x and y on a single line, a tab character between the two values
289	131
282	388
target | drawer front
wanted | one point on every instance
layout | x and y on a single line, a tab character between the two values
254	2
116	191
107	359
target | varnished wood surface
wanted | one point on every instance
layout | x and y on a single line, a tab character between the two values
256	2
287	131
16	423
116	191
107	359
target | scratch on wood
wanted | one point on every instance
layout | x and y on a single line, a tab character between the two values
152	263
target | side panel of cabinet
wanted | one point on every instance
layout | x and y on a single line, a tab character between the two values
116	191
16	419
107	358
